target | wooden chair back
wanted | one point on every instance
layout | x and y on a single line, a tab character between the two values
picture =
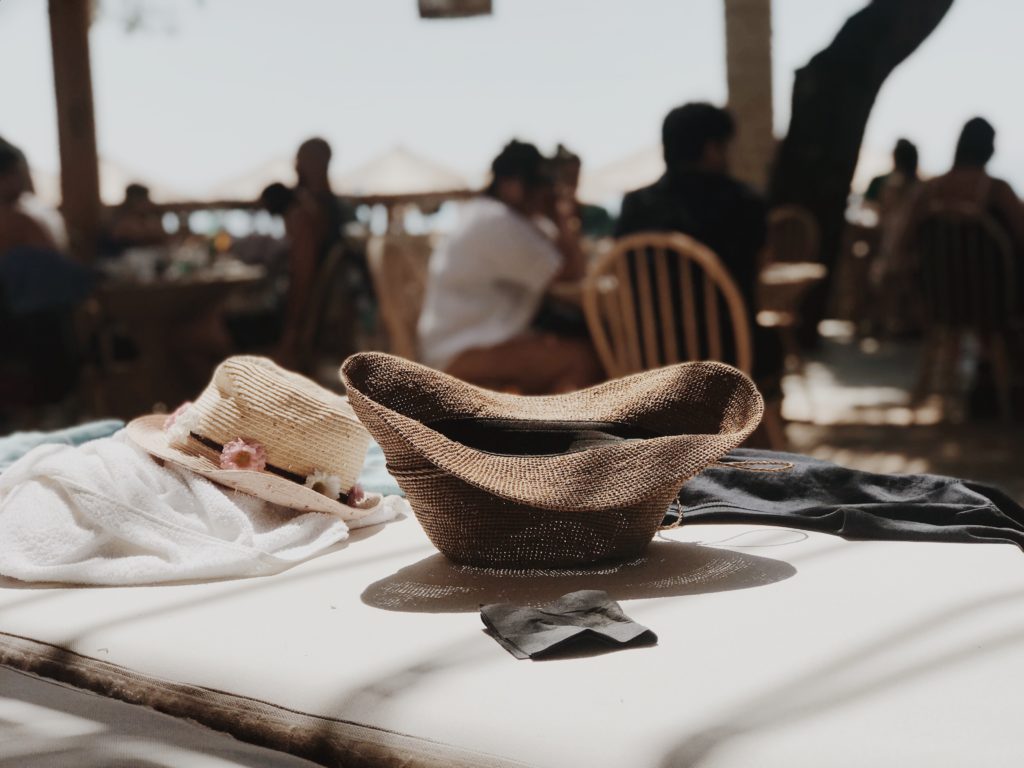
792	235
398	266
964	263
659	298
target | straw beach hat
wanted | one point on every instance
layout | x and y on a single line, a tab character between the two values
511	481
269	433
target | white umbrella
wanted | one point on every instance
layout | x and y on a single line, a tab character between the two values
114	177
248	185
636	170
399	173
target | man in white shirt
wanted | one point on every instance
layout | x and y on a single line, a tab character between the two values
487	282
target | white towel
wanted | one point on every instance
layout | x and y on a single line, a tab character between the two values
108	513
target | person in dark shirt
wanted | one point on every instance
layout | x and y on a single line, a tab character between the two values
39	291
698	197
313	218
136	222
903	176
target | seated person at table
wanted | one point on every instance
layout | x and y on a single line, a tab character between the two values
17	228
487	282
595	221
136	222
969	182
39	288
698	197
44	214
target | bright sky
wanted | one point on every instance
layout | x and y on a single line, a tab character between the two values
218	87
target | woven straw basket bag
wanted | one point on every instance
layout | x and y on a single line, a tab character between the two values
501	480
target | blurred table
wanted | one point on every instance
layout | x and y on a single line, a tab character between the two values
153	336
852	291
567	292
782	286
782	289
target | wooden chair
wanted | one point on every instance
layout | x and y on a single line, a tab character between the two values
790	269
963	262
635	315
792	235
659	298
398	267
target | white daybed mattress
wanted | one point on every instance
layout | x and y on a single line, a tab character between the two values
777	648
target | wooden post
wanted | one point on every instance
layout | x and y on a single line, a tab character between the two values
748	42
76	124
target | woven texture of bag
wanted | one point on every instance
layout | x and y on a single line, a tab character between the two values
600	503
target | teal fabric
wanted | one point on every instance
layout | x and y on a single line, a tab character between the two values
17	444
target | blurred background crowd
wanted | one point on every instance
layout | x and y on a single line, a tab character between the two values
880	317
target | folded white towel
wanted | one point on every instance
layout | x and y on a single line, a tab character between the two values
108	513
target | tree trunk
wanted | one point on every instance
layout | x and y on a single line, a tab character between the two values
76	124
832	98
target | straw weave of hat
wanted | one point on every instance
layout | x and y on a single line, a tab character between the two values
302	427
605	502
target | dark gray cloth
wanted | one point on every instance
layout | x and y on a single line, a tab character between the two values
36	280
579	622
820	496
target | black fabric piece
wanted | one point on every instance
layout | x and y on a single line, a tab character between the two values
820	496
583	622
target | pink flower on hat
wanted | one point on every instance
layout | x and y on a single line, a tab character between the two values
356	495
242	454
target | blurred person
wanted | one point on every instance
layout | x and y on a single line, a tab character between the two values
47	216
18	228
698	197
595	221
136	222
889	192
487	281
890	195
312	166
39	290
314	219
969	182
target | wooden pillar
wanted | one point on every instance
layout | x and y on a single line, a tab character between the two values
76	124
748	42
